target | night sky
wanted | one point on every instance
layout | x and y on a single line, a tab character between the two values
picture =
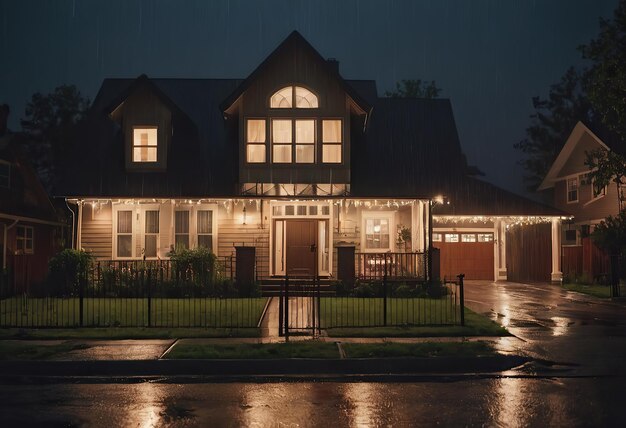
490	57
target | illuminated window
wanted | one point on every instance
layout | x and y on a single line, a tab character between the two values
151	236
124	233
294	96
25	236
281	140
436	237
377	233
331	141
468	237
144	144
305	141
452	237
205	229
572	189
485	237
181	229
255	138
5	174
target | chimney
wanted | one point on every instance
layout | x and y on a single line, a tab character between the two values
4	118
333	64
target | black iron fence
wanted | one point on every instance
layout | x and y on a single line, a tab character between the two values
395	266
135	294
394	303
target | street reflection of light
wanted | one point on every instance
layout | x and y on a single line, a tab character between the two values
362	400
263	405
560	326
508	407
148	415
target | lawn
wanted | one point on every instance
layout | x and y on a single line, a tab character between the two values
28	351
131	312
307	349
603	291
475	325
115	333
336	312
418	350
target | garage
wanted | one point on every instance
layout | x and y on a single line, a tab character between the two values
471	253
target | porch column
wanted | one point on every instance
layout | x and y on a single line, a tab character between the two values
501	272
417	227
79	228
556	276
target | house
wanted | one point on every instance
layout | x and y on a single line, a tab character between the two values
577	195
30	230
295	160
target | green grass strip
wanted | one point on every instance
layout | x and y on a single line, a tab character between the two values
475	325
125	333
256	351
418	350
602	291
27	351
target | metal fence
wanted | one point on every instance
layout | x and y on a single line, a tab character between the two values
135	294
395	266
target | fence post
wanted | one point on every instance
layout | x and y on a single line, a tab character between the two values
281	308
149	297
385	292
81	285
462	298
286	308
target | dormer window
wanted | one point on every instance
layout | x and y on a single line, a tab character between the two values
145	144
291	96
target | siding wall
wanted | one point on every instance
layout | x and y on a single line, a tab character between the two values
97	230
587	208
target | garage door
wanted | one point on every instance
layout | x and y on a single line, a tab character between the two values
470	253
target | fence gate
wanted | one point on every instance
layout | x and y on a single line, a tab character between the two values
299	306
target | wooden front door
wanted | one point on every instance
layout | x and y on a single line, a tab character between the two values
300	239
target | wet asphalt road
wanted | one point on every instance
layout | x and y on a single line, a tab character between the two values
549	323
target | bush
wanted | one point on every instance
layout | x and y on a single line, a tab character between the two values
435	289
196	266
363	290
68	270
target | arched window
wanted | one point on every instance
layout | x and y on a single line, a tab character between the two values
294	96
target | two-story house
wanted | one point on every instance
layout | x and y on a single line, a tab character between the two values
577	195
291	158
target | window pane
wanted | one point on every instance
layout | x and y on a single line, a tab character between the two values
485	237
452	237
305	154
21	232
305	98
145	137
182	241
331	153
124	222
181	222
124	245
152	222
256	131
468	237
312	210
331	131
144	154
281	131
305	131
29	232
150	249
205	221
289	210
301	210
205	241
282	153
436	237
256	153
282	98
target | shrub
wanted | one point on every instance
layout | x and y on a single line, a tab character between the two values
67	271
196	266
435	289
363	290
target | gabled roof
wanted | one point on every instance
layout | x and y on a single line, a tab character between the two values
295	40
564	155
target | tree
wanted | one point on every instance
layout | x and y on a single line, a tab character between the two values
607	167
552	122
606	80
415	89
50	125
610	235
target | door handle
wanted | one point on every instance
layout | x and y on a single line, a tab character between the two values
313	248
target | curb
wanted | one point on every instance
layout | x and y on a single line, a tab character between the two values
304	366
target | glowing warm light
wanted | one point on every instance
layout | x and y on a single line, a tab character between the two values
144	144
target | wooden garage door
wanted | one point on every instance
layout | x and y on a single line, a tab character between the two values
470	253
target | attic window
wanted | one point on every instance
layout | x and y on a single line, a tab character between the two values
291	96
5	174
145	144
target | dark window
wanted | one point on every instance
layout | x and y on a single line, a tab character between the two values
570	235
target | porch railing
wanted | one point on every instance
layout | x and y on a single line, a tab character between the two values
395	266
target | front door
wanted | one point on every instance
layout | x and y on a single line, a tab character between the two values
300	243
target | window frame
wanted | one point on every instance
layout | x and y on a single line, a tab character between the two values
600	194
186	209
568	191
390	216
293	105
24	239
333	143
145	233
133	145
263	144
133	216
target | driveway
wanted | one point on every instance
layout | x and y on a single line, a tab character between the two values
554	324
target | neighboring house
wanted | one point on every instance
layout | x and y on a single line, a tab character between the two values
291	158
30	230
577	195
